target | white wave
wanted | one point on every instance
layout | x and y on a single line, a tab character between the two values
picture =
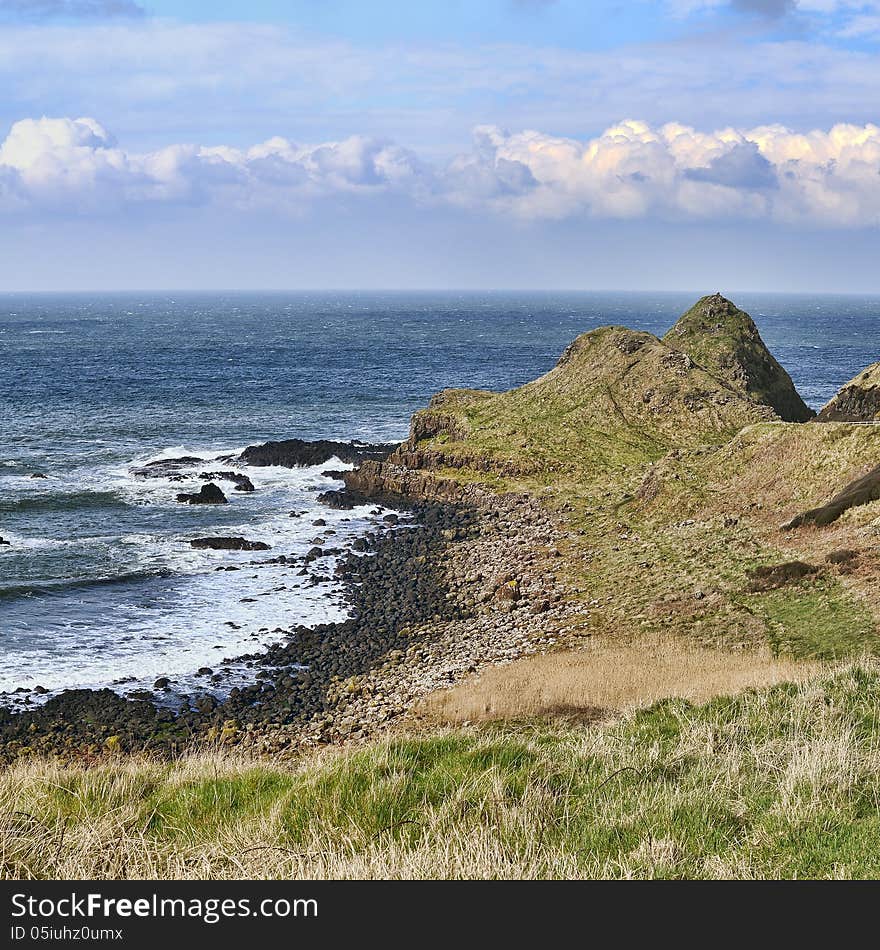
200	614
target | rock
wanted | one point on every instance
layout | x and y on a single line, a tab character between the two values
862	491
209	494
229	544
162	683
38	475
857	401
3	541
342	499
166	468
241	482
509	591
292	453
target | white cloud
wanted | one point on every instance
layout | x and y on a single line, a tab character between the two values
632	170
636	170
74	165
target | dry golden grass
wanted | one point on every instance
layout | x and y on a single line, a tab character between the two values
607	677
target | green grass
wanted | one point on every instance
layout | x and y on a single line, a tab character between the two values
782	782
817	620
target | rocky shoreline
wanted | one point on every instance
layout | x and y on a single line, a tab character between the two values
456	584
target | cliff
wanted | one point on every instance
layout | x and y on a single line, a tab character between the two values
858	401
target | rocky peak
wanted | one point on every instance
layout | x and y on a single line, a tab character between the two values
724	340
858	401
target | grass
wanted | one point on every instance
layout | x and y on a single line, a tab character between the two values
777	782
609	676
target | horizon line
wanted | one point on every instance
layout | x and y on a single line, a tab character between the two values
430	290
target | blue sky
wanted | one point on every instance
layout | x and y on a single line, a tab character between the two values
673	144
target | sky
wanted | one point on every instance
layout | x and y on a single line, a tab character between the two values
524	144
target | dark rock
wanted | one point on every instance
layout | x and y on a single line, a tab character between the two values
292	453
3	541
241	482
162	683
209	494
166	468
862	491
229	544
38	475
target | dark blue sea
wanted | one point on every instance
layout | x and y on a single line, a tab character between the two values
99	584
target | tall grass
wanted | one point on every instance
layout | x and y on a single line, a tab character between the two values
778	782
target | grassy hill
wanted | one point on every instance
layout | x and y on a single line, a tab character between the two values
718	335
616	399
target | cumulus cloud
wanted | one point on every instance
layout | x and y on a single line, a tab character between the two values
826	178
632	170
75	165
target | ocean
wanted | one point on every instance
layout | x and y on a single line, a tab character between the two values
99	585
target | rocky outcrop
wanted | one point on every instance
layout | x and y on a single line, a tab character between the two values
167	468
209	494
229	544
862	491
858	401
724	339
293	453
241	482
4	542
385	481
176	470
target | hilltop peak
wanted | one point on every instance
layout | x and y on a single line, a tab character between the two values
724	340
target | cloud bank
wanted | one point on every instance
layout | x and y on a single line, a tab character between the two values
633	170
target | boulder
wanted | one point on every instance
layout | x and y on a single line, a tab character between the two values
229	544
209	494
